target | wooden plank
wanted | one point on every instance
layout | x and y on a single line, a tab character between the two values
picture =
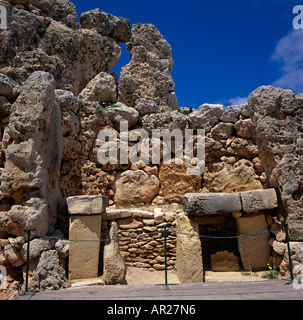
262	290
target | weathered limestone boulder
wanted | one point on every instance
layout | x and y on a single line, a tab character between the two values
32	214
148	75
114	270
13	256
224	261
135	186
120	112
73	58
85	224
175	182
101	88
49	274
189	251
231	114
8	87
206	116
254	250
245	129
222	130
277	118
37	246
296	252
223	177
245	148
107	25
33	141
168	120
145	106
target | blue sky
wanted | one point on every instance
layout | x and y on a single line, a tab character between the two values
223	50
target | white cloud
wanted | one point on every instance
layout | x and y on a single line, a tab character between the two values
289	53
238	101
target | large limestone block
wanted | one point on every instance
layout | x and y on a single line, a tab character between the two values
211	203
120	112
135	186
223	177
84	256
175	182
224	261
86	205
114	270
189	251
101	88
206	117
254	250
257	200
251	223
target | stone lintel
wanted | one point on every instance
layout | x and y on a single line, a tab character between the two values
200	204
257	200
86	205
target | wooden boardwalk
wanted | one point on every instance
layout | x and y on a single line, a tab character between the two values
254	290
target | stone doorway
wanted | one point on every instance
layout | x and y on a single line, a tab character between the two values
246	215
219	226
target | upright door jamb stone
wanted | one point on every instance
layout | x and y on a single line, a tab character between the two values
85	224
189	250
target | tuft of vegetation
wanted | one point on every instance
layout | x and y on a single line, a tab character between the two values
273	271
81	107
103	105
46	23
186	112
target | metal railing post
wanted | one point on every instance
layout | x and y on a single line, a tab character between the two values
27	259
165	256
289	253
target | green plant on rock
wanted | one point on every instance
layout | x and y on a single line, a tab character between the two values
46	23
186	112
273	271
103	105
81	107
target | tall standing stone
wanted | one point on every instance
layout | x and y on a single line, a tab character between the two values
85	224
148	75
34	144
189	250
277	118
114	270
